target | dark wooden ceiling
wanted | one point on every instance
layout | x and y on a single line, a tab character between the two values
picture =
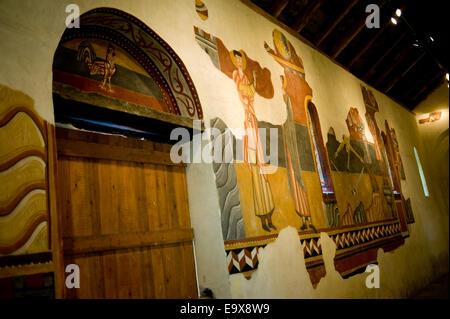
386	58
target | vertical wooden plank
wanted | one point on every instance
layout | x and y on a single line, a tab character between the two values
110	275
108	184
64	197
158	273
161	189
137	283
188	262
172	203
129	274
85	290
148	289
127	198
79	214
123	275
151	191
96	276
93	194
55	213
181	199
141	199
172	274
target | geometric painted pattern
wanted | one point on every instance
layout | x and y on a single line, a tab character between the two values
365	235
241	260
246	259
312	247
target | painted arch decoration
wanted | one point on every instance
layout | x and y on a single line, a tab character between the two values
117	56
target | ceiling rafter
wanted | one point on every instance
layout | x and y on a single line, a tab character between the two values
278	7
385	58
425	77
430	85
395	80
400	56
304	17
327	32
381	58
369	44
347	39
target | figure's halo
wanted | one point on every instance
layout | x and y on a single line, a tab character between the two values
233	59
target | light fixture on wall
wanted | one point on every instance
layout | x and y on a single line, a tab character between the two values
419	42
398	13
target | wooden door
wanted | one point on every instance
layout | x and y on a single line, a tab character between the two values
125	217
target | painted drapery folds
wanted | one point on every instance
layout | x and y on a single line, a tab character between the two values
343	185
24	212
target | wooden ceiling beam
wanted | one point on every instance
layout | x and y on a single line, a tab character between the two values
395	80
303	19
278	7
368	45
327	32
421	82
381	58
427	88
347	39
400	56
386	25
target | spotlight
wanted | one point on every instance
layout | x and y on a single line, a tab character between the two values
446	76
398	13
393	20
431	38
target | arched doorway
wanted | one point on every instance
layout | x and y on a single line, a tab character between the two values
118	90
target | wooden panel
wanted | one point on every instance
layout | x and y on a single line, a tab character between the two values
125	223
100	151
79	245
55	216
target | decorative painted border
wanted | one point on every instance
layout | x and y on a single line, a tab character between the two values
14	103
242	255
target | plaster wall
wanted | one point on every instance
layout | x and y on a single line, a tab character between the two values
30	32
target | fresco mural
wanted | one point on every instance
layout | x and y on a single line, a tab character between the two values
345	186
25	230
115	56
263	209
98	66
201	9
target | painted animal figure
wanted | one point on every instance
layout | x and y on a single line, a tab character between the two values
106	68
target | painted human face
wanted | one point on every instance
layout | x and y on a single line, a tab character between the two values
239	61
